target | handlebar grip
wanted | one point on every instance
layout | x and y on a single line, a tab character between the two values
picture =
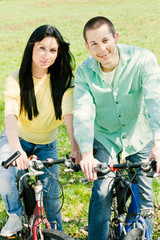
49	162
11	159
127	164
76	168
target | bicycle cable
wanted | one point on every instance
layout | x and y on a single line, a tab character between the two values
61	189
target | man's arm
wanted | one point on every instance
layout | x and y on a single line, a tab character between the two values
83	122
151	92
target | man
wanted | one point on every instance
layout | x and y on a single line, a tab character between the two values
116	109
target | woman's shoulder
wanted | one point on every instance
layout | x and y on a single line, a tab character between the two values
13	80
14	75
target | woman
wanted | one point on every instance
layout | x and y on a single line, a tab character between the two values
37	98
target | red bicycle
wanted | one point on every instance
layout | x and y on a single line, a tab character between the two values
35	224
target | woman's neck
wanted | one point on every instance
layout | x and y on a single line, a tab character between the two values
39	73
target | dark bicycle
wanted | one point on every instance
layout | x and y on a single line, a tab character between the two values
127	221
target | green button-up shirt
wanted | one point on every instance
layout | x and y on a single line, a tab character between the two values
123	116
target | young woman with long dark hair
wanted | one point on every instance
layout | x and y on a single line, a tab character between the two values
38	97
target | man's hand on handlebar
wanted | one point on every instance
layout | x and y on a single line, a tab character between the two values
88	164
155	154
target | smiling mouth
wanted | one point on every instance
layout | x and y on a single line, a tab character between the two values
103	56
45	63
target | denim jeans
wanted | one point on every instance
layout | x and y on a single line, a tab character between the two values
100	203
8	179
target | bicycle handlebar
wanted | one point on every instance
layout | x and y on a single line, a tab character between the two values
10	160
38	165
148	166
145	166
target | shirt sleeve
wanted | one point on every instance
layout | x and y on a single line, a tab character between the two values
83	113
151	92
11	95
67	102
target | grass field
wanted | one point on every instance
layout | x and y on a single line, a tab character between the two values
136	21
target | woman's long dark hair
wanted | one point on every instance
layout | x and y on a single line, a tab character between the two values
60	72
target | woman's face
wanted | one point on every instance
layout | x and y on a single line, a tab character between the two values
45	53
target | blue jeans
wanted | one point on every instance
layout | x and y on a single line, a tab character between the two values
8	179
100	203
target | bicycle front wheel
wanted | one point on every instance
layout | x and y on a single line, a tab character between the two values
134	234
52	234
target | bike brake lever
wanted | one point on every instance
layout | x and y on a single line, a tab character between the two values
70	164
101	170
36	164
152	171
35	168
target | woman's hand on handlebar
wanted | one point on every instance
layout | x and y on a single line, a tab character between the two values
88	164
22	161
76	155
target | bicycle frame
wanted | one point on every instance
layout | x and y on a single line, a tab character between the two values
39	211
134	211
134	208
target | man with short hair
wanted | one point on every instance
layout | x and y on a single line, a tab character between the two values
116	109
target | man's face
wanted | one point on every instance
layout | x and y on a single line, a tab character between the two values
102	46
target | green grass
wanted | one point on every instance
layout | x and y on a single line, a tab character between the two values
137	22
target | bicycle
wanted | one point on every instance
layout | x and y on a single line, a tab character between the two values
132	226
33	216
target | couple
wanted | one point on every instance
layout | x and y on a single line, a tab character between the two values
116	108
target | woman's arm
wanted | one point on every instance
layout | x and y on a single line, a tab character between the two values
68	119
13	139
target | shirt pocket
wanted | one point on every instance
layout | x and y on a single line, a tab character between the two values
106	115
132	104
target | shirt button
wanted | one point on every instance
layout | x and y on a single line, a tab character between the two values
123	125
123	137
116	102
119	116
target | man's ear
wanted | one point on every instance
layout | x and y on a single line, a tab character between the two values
86	45
116	37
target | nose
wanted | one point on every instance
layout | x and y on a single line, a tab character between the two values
46	54
102	47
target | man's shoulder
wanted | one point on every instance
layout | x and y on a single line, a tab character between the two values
86	69
88	62
131	50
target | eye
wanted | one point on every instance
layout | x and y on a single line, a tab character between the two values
105	40
41	48
53	50
93	44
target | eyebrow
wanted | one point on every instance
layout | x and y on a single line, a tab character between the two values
46	46
92	42
105	38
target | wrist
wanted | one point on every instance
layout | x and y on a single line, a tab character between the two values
75	147
16	147
87	155
156	140
156	143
